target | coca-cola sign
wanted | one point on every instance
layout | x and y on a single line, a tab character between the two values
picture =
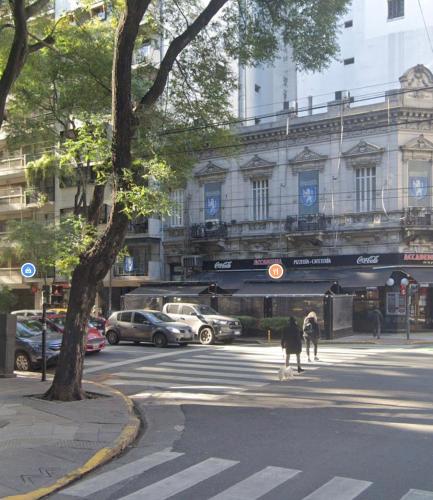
227	264
368	259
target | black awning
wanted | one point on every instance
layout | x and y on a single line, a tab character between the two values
171	290
420	274
283	289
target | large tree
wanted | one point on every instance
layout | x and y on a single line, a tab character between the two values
189	87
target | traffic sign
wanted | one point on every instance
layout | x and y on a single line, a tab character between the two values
28	270
276	271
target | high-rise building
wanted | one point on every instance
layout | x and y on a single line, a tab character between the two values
379	40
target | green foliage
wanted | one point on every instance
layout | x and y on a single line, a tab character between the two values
7	299
41	170
248	322
276	324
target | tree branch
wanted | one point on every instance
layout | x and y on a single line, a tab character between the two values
35	8
46	42
17	54
174	49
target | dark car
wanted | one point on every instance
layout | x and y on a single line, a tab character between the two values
146	326
28	345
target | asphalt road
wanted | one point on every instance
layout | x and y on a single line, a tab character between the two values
357	424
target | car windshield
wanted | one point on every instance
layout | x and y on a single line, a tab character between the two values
29	328
206	309
159	317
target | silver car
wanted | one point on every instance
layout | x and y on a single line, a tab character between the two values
146	326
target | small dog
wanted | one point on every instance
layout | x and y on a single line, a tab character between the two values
284	373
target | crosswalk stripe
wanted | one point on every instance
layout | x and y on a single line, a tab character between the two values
182	480
203	365
418	495
339	488
257	485
176	385
106	479
188	371
230	362
180	378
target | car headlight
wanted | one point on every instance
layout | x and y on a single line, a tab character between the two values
173	329
220	322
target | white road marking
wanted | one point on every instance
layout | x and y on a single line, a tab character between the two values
418	495
339	488
175	379
90	486
207	371
182	480
218	366
257	485
115	364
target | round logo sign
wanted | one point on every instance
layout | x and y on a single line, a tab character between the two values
276	271
28	270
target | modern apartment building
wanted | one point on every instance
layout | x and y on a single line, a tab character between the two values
379	40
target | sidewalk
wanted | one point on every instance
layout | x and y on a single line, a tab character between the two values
415	338
45	445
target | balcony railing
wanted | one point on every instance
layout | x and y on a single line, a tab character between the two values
138	227
210	229
307	223
134	267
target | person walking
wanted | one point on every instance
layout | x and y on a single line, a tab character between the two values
377	320
291	341
311	332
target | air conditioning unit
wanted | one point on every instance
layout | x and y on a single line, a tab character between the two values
195	261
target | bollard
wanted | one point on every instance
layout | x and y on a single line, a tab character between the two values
269	336
8	325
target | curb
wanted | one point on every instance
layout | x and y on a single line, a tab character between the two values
102	456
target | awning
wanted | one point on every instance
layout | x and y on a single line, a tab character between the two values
171	290
283	289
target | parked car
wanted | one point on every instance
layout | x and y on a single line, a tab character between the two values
146	326
27	312
207	324
28	345
95	340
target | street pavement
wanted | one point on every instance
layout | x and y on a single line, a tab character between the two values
44	445
220	425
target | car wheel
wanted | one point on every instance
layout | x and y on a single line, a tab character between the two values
22	362
159	340
206	336
228	341
112	337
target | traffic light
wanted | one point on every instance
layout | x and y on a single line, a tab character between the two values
57	294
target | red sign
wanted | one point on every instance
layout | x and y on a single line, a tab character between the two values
402	290
276	271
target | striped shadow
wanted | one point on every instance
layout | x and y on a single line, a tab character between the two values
339	488
90	486
176	379
205	371
257	485
182	480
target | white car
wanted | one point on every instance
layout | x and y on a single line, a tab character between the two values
27	312
207	324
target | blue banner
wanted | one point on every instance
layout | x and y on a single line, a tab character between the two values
308	193
212	201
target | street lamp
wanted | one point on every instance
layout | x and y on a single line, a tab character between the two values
390	282
404	283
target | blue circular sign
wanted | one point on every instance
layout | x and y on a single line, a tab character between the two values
28	270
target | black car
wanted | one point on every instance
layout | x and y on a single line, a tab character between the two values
28	345
146	326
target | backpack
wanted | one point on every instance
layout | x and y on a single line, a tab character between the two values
308	328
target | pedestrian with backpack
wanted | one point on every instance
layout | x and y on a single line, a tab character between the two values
311	332
291	342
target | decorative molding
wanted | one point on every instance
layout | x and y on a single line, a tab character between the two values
364	154
211	173
307	160
257	167
419	148
418	78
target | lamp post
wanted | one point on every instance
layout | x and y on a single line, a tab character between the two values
404	286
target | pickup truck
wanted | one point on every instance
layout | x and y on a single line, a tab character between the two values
207	324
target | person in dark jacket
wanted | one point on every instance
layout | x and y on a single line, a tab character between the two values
376	318
291	341
311	332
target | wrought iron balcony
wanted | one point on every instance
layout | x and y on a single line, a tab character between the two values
210	229
306	223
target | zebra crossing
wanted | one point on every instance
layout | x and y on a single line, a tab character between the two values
253	487
225	368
